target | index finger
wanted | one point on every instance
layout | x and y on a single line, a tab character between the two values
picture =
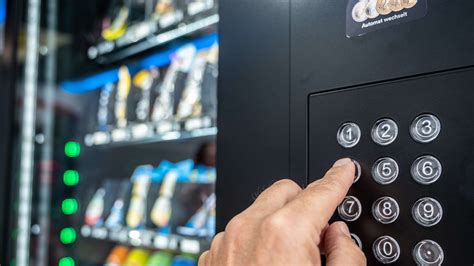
314	206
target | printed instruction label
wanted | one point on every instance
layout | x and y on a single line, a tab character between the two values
364	16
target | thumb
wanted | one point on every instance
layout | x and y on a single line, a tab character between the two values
340	248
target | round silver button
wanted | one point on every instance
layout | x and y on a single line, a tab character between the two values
348	135
350	209
386	249
385	210
425	128
427	212
426	169
385	170
358	11
371	9
427	253
358	170
356	240
384	132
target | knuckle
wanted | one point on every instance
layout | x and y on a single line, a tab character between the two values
235	225
288	184
275	224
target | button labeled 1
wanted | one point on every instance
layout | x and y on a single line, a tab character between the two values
426	170
386	249
350	209
428	252
348	135
427	212
385	210
425	128
385	170
384	132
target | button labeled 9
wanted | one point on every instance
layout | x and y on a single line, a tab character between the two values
427	212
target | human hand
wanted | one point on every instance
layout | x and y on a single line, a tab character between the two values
287	225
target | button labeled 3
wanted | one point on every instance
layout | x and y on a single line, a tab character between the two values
385	210
384	132
386	249
425	128
426	170
350	209
385	170
348	135
428	252
427	212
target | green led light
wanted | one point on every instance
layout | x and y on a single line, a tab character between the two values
72	149
71	177
66	261
69	206
67	235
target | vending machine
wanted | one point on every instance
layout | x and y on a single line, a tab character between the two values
387	83
108	117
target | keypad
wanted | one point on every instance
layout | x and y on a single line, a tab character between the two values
350	209
425	170
386	249
428	252
348	135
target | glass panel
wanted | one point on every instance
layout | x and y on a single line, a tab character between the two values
116	114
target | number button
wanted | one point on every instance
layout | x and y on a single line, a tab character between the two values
427	212
385	210
426	169
384	132
350	209
428	252
358	170
386	249
348	135
425	128
385	170
356	240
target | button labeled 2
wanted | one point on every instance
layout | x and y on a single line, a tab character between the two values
384	132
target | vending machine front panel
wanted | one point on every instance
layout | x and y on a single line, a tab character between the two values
411	139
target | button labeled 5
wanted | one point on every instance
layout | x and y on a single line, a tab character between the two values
385	170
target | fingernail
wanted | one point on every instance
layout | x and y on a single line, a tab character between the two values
344	229
342	162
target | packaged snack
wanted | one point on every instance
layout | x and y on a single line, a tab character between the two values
117	256
123	89
160	258
141	178
137	257
95	208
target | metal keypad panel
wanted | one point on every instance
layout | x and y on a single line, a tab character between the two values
414	141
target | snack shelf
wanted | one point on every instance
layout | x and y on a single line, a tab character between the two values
147	239
144	36
152	132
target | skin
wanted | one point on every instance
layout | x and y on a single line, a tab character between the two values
288	225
